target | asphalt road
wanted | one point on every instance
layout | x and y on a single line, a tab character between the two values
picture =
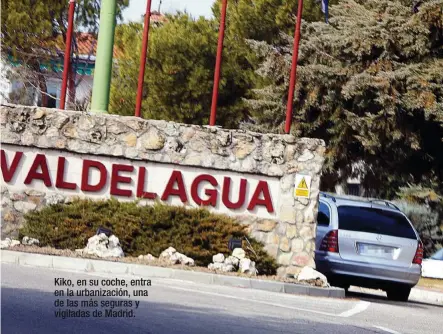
173	306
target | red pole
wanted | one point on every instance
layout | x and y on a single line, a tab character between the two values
141	72
221	35
293	68
67	60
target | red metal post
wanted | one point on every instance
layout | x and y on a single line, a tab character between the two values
293	78
141	73
67	60
221	35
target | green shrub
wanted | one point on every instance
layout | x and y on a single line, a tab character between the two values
143	229
424	207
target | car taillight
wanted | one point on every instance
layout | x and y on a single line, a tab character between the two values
418	257
330	242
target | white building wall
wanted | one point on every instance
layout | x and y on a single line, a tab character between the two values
5	84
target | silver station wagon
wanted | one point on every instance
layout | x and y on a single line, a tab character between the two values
368	243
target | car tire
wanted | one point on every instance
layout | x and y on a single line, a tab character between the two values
399	293
343	286
335	282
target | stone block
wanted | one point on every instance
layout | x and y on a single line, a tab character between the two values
305	156
152	140
307	232
197	145
243	149
293	271
131	140
287	213
24	207
281	228
260	236
285	245
36	200
35	193
281	272
187	134
291	231
287	182
311	262
298	218
284	259
308	216
272	250
266	225
300	259
309	246
303	201
297	245
290	152
6	202
17	196
272	238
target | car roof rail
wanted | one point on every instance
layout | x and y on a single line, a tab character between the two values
387	203
328	196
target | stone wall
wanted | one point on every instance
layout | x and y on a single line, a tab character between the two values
289	237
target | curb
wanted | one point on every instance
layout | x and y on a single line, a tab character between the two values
417	294
428	296
118	268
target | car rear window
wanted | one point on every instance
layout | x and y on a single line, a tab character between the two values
372	220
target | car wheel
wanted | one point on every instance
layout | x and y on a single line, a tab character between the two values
399	293
343	286
339	284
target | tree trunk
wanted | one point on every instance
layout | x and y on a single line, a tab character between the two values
71	89
43	88
41	83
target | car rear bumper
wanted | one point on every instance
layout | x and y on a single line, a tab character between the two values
331	264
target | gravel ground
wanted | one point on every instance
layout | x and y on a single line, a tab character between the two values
157	263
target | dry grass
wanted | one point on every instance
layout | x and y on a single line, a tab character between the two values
431	283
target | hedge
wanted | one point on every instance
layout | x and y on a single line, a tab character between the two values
143	229
424	207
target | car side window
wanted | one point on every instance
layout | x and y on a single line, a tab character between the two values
324	215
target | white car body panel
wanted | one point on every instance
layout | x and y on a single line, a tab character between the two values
432	268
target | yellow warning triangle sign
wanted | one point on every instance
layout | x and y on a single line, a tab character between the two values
302	184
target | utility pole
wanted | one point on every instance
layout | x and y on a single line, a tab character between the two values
293	78
141	71
67	55
103	63
218	60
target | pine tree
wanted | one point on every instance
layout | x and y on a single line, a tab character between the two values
265	20
179	74
370	84
181	60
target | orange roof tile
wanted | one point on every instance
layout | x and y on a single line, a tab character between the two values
157	17
86	44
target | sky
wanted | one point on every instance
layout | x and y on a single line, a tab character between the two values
195	7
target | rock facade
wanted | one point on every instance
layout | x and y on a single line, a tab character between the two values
290	238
